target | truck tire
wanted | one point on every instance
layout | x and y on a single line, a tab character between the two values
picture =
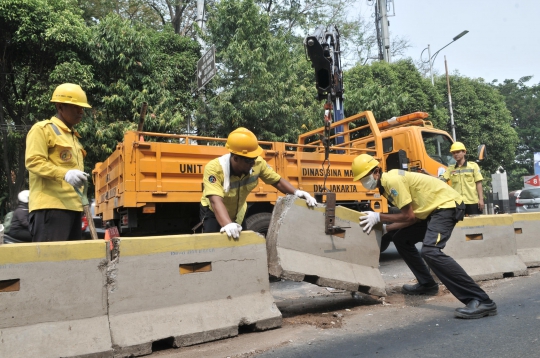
259	223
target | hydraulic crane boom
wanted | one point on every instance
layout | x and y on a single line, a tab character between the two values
323	50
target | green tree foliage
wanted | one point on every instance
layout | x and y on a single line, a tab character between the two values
132	65
36	36
119	63
523	102
262	84
178	15
390	90
481	117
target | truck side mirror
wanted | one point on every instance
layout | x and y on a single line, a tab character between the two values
482	152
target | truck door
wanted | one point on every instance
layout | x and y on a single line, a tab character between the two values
437	154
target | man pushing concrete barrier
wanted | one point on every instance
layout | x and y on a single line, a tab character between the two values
429	211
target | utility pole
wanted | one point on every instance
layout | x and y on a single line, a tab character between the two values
382	8
200	20
384	29
450	102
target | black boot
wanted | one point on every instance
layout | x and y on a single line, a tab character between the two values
475	309
418	289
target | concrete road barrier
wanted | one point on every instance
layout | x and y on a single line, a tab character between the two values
53	300
188	289
300	250
485	246
527	230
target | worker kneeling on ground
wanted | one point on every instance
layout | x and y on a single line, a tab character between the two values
429	211
229	179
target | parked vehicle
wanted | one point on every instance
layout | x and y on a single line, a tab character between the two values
528	201
154	187
512	197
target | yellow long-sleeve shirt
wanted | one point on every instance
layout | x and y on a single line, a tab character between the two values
51	150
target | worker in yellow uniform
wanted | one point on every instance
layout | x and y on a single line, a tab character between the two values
54	159
229	179
466	179
429	210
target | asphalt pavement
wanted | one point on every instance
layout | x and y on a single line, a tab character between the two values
427	328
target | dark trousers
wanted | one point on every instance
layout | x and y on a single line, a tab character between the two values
472	209
209	221
55	225
434	233
21	235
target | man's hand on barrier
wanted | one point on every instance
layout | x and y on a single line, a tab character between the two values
76	177
369	220
232	229
309	199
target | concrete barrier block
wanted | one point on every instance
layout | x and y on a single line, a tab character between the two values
53	300
527	231
485	246
188	289
299	249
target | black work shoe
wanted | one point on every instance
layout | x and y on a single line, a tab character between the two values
475	309
418	289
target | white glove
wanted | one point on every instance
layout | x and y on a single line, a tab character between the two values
75	177
369	220
309	199
384	230
232	229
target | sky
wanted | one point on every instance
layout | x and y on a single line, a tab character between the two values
503	40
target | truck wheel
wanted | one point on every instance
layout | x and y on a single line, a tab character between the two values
259	223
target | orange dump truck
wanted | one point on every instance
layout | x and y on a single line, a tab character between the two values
154	186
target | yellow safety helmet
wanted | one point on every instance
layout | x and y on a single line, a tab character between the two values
71	94
457	146
362	165
243	142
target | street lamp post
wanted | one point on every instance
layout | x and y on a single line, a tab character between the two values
450	102
431	59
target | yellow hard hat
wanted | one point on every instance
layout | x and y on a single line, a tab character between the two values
70	93
362	165
457	146
243	142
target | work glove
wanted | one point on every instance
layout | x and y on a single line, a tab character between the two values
76	177
309	199
369	220
232	229
384	230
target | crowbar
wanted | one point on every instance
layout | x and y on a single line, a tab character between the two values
86	209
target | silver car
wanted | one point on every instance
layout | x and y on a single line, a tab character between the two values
528	201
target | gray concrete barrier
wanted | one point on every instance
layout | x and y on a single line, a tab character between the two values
188	289
485	246
527	230
299	249
53	300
